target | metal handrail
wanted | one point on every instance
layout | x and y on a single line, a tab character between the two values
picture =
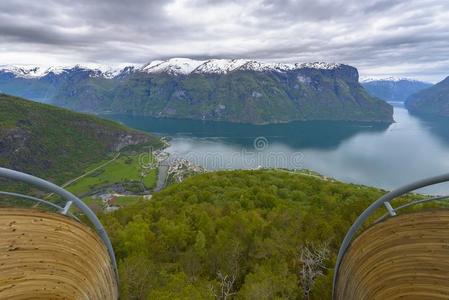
439	198
384	200
70	198
35	199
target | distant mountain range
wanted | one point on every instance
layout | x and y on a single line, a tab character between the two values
235	90
393	88
431	101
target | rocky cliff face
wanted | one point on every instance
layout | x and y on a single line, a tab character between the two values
249	96
220	90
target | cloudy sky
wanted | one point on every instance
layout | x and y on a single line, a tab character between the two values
381	38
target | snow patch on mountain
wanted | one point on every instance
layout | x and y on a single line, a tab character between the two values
318	65
266	67
23	71
174	66
391	79
222	66
95	70
56	70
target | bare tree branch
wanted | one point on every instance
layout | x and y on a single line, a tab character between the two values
313	264
226	286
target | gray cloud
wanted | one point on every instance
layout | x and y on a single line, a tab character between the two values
381	38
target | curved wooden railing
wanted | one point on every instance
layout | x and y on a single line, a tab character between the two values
45	255
404	257
58	250
340	284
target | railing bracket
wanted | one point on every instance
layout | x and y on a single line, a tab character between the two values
66	208
390	208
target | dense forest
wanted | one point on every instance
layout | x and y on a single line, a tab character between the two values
236	235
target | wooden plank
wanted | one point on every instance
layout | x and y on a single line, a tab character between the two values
404	257
50	256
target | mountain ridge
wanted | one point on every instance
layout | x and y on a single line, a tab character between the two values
393	88
390	78
172	65
243	91
432	101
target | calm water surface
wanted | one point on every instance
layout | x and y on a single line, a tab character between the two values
372	154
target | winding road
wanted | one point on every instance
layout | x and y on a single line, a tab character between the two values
161	177
85	174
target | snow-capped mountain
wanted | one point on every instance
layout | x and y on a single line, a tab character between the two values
36	72
187	66
220	66
234	90
390	79
23	71
174	66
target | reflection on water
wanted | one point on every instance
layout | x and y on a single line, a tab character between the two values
438	126
371	154
304	135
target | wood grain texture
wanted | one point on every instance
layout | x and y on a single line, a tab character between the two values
404	257
50	256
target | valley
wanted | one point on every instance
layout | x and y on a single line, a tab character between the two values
85	154
224	150
348	151
190	203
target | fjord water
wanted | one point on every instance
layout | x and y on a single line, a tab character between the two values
385	156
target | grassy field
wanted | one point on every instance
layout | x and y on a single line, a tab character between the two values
128	200
92	202
121	201
124	170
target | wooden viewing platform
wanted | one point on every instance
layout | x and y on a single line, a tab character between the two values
51	256
403	257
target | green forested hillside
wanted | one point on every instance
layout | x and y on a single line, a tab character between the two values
433	101
235	235
239	96
55	143
243	95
